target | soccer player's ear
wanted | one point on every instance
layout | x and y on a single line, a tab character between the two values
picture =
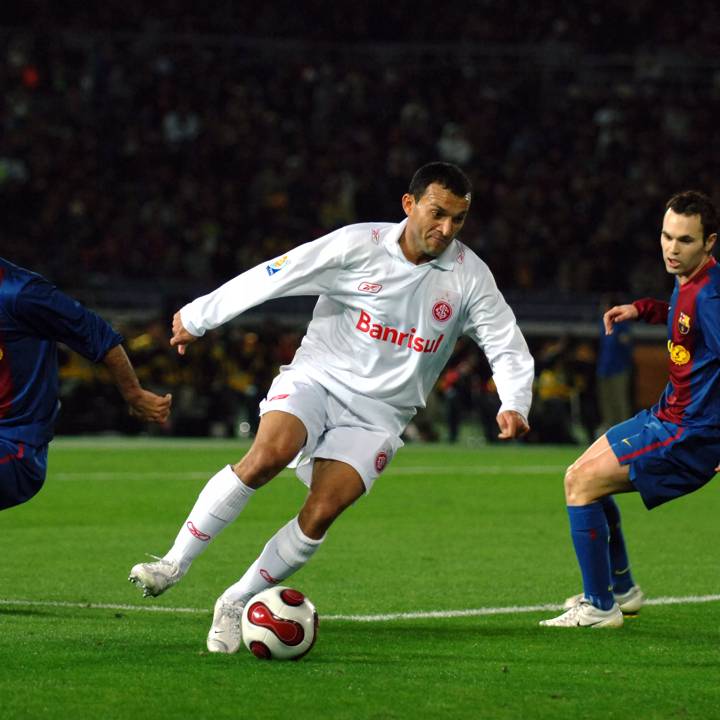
710	242
408	203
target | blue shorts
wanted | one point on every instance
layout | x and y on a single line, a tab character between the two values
666	460
22	472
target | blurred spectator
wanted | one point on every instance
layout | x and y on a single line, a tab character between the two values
614	372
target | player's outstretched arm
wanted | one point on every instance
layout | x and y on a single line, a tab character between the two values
512	425
143	404
617	314
181	338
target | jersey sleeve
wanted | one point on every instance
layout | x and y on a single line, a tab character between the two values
709	317
308	269
49	313
492	325
654	312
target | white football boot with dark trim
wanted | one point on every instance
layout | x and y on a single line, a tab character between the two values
154	578
585	614
225	634
630	602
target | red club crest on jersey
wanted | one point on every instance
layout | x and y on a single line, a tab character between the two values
442	311
381	461
375	232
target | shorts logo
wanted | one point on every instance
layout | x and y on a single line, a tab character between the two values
277	265
381	461
279	397
267	577
369	287
684	323
442	311
678	354
199	534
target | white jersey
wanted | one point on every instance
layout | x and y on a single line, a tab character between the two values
383	328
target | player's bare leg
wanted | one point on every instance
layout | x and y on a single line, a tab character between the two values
335	486
280	436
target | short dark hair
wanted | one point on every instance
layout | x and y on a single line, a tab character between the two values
446	174
693	202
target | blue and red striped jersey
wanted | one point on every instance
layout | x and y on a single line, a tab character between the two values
34	317
692	395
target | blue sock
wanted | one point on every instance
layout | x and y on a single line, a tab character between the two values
589	530
619	563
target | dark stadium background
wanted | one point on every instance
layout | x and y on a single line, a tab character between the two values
148	153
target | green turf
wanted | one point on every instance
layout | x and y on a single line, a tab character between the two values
443	529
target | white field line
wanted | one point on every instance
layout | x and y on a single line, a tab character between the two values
386	617
478	470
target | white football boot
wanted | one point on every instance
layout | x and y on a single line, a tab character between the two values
225	634
629	602
585	614
155	577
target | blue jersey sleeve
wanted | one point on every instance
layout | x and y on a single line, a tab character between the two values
49	313
709	316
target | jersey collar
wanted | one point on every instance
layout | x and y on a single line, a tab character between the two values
446	261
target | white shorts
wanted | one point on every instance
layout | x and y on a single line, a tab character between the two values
334	432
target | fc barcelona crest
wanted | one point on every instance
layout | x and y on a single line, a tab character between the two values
684	323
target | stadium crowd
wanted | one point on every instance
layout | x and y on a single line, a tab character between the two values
149	154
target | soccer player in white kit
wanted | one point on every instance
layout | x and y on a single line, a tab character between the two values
393	299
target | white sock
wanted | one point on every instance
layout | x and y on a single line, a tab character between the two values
219	503
285	553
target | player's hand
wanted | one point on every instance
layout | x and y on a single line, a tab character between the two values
181	337
619	313
512	425
149	407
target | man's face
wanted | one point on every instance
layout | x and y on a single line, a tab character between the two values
433	221
684	251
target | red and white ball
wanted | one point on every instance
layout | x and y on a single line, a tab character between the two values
279	623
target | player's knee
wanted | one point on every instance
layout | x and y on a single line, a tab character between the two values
263	461
577	485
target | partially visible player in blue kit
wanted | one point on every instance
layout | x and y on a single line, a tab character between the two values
34	317
662	453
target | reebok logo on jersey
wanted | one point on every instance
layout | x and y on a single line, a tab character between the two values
369	287
387	333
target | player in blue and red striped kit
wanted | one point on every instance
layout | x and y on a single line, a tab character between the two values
662	453
34	317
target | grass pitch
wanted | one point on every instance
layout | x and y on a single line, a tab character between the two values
428	591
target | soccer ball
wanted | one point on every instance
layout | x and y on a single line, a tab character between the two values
279	624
